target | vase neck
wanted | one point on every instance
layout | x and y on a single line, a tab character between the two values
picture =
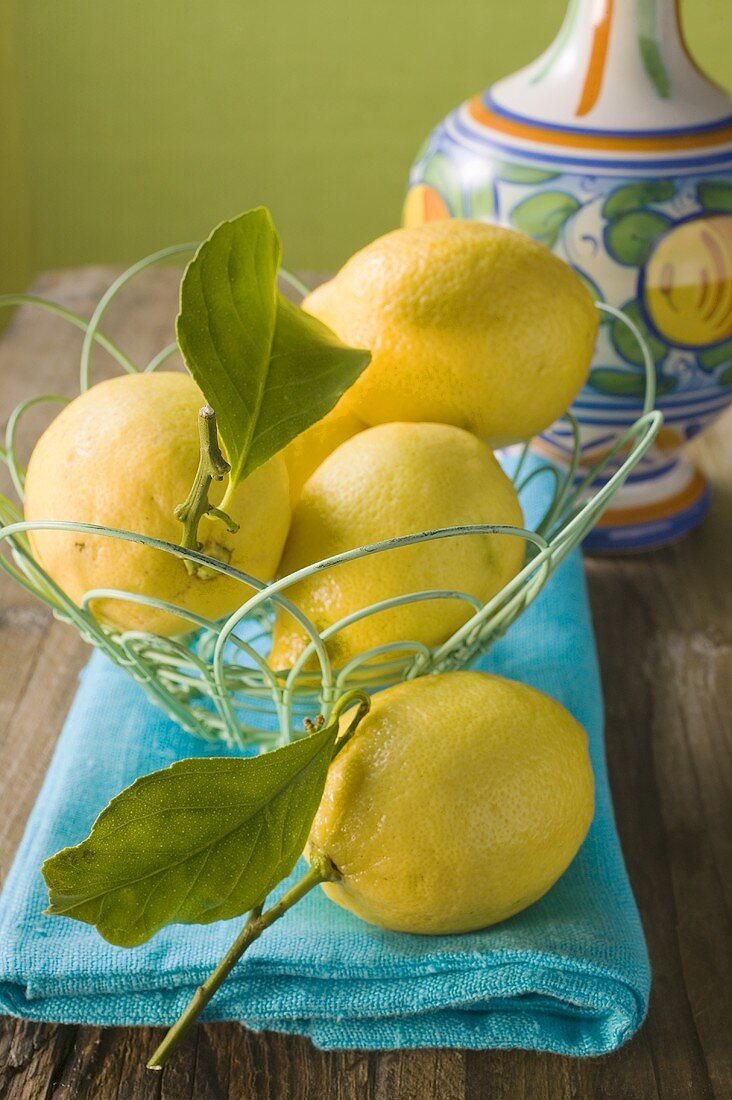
616	65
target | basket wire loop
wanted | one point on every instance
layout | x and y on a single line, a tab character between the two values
109	295
17	473
162	357
7	300
215	680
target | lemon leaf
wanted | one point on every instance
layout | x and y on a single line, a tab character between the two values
267	369
201	841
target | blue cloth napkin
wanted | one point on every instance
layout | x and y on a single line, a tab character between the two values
570	974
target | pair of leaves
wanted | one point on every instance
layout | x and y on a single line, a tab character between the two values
268	369
201	841
634	196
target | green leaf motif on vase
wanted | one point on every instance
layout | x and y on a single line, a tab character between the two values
630	238
482	203
510	172
625	342
627	383
542	216
441	173
634	196
715	196
716	356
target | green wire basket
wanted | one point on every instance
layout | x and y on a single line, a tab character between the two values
215	681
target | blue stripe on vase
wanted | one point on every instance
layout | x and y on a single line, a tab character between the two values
707	127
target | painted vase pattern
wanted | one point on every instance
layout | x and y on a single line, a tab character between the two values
616	152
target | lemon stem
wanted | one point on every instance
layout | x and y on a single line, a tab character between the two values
212	466
322	870
347	700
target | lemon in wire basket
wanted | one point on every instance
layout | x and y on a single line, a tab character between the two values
157	504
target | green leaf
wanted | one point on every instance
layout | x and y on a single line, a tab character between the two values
715	196
482	204
201	841
625	342
630	237
626	383
620	383
309	369
268	369
725	378
522	173
653	63
636	195
711	358
542	216
441	173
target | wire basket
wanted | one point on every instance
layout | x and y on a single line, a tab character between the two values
215	681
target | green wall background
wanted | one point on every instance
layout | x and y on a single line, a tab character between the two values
130	124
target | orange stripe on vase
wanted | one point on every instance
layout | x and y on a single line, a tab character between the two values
610	143
598	57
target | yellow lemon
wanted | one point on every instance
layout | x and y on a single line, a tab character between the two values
305	453
392	480
123	455
459	801
688	282
467	323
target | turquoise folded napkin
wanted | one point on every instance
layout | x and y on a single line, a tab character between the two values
570	974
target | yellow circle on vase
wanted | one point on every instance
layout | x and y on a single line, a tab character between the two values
688	282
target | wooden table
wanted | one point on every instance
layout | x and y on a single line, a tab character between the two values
664	629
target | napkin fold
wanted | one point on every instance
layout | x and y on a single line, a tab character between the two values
570	974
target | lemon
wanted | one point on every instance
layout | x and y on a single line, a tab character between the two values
459	801
467	323
123	455
305	453
391	480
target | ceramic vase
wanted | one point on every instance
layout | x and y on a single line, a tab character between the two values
614	150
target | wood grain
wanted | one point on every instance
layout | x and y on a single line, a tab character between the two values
664	632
